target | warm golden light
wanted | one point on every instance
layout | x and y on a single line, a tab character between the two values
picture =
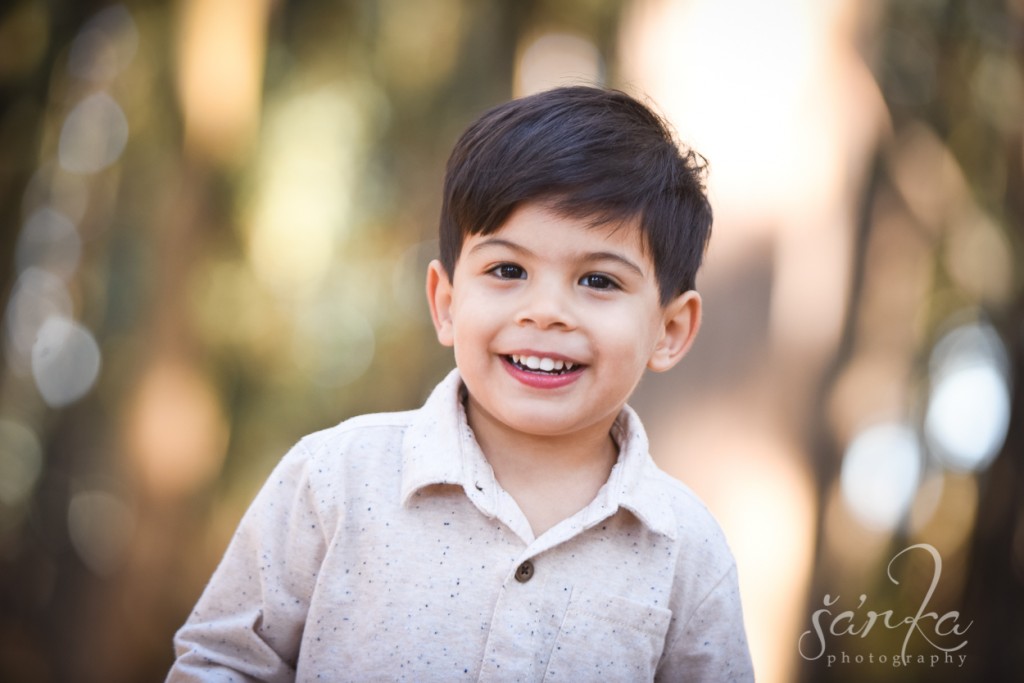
176	430
197	278
945	511
313	148
418	43
551	60
761	494
777	97
220	63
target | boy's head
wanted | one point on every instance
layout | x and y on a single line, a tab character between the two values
588	153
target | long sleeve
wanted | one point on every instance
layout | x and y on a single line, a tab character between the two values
248	624
712	646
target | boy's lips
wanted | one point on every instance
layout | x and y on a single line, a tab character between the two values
542	370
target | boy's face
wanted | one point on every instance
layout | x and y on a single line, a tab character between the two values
554	321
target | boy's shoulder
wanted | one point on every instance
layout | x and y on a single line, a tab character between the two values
688	516
683	499
663	502
365	450
435	417
366	428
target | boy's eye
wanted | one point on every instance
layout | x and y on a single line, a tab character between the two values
509	271
598	281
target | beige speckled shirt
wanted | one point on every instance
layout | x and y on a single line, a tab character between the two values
384	549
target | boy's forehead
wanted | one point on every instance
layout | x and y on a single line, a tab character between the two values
541	230
542	221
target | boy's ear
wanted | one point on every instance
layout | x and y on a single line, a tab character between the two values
439	296
681	321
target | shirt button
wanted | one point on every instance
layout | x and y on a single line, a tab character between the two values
524	572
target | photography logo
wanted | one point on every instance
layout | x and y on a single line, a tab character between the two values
941	639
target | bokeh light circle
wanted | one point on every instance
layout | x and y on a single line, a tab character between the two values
880	474
968	410
65	361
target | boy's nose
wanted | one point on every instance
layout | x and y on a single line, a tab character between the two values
546	307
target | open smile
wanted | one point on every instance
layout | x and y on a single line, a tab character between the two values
542	372
543	364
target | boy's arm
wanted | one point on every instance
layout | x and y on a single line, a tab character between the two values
249	621
712	645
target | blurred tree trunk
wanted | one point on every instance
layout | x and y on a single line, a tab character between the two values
928	62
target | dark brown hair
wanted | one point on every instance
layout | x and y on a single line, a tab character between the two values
589	153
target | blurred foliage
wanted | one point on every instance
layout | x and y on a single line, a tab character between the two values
948	188
222	336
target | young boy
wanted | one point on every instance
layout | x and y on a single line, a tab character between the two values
514	528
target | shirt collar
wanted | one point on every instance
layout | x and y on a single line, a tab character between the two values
439	448
431	448
634	482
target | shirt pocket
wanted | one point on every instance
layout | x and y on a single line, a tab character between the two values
608	638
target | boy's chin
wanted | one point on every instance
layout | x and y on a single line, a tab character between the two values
547	422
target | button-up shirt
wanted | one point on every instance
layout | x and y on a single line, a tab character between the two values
384	549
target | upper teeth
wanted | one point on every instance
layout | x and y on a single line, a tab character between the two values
545	364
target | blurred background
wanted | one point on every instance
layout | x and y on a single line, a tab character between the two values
215	218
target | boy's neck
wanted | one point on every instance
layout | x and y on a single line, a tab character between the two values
550	477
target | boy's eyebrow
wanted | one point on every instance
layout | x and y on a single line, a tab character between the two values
618	258
499	242
588	257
